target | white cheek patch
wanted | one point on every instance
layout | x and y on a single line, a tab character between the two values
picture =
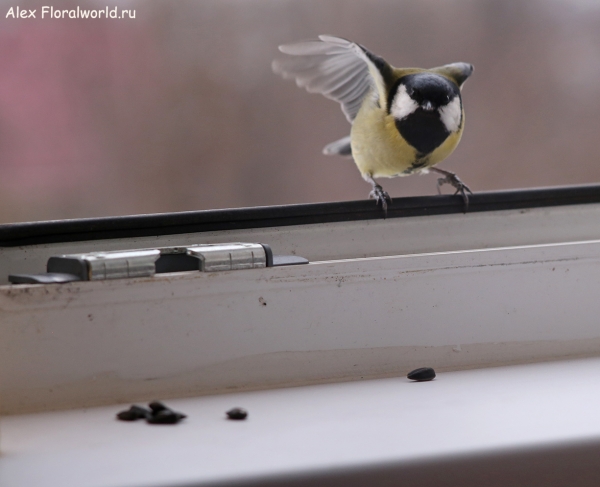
403	105
451	115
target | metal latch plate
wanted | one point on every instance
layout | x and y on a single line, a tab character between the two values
94	266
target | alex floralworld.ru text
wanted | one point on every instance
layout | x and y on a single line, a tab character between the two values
75	13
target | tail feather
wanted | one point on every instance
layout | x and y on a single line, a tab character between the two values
339	147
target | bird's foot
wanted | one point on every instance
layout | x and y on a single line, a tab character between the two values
381	197
453	180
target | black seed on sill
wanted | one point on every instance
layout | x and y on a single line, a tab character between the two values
237	413
421	375
157	406
134	413
166	416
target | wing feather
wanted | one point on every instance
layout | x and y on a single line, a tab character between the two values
458	72
337	68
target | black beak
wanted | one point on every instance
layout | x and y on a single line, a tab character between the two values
427	106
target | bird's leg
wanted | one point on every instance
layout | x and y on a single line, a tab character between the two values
454	180
380	196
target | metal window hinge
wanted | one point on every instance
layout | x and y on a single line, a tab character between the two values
95	266
229	257
105	265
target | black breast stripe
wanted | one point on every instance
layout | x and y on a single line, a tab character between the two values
423	130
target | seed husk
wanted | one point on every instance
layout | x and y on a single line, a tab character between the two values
157	406
422	374
134	413
237	413
166	416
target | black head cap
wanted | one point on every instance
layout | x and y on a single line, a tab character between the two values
429	87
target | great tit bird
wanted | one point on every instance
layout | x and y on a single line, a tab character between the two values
404	120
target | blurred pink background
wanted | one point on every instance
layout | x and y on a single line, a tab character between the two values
178	109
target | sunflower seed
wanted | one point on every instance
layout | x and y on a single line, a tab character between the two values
422	374
134	413
237	413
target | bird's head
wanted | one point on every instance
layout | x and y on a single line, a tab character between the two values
427	93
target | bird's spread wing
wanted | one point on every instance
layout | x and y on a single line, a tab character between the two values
337	68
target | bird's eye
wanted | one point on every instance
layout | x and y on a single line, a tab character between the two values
447	97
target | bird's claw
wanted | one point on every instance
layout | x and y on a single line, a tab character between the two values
381	197
454	180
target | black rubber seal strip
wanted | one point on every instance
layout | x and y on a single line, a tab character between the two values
34	233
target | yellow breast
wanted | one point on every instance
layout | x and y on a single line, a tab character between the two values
379	150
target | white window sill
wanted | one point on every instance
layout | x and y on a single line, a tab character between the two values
449	291
536	424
